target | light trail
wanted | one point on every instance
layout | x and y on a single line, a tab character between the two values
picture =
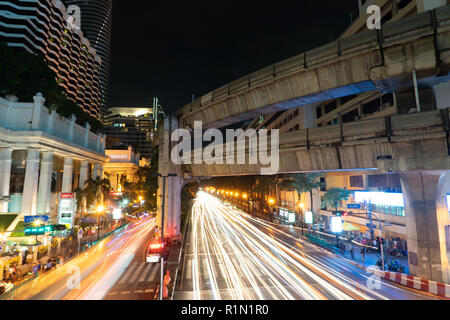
256	260
99	268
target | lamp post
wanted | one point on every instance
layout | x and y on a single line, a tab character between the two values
271	203
381	236
163	204
302	206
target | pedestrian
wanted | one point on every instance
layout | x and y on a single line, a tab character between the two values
363	254
352	253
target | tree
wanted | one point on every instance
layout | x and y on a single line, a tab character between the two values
264	185
303	183
97	191
335	196
80	197
29	74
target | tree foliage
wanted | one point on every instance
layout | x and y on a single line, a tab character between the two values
302	182
335	196
25	74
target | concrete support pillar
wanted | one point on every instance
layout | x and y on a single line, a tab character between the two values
30	189
427	222
67	175
84	171
45	183
5	177
174	185
172	210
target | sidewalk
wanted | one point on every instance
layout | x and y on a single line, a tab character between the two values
371	258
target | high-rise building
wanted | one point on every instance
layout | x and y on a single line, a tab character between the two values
96	23
134	127
41	27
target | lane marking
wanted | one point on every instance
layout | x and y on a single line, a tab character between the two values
127	274
189	270
134	277
153	274
144	274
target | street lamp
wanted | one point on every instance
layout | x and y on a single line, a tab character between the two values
301	207
387	224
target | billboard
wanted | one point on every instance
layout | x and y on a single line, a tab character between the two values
67	207
117	214
336	224
309	217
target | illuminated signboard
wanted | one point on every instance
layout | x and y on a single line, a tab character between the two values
380	198
291	217
66	209
309	217
117	214
336	224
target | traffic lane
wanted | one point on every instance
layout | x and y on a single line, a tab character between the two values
139	280
56	284
342	286
332	262
120	256
256	271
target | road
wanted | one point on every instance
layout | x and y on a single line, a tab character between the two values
92	275
230	255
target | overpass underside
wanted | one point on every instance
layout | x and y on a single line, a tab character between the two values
380	60
397	143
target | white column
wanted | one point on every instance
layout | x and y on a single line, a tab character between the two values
30	189
45	183
37	110
86	134
98	171
72	127
67	175
5	176
83	174
101	171
95	171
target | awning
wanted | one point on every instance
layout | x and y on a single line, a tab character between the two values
25	242
347	226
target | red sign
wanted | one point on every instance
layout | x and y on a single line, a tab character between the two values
67	195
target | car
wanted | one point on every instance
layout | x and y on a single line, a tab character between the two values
154	252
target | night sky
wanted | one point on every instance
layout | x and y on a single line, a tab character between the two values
173	49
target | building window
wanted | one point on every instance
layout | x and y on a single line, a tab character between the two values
356	181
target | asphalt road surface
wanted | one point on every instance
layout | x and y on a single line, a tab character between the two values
230	255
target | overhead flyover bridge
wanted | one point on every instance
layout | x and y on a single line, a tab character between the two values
414	145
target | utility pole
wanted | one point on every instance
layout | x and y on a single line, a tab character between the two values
372	233
163	205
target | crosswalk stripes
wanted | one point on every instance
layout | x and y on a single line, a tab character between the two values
127	274
153	274
142	278
136	274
